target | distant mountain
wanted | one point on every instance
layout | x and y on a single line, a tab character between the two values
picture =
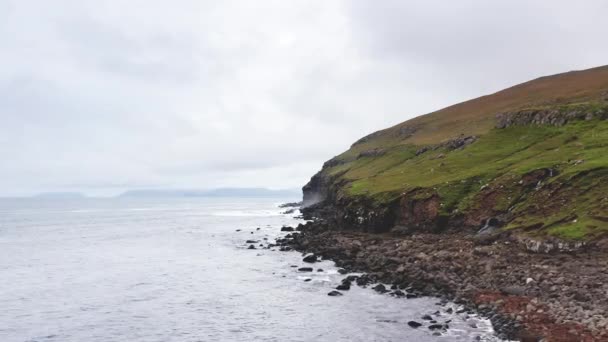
60	195
220	192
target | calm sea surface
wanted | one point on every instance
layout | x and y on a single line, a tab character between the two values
177	270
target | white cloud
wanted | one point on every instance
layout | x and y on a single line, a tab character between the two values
102	96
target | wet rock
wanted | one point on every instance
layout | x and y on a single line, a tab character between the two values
343	287
305	269
427	318
251	247
365	280
252	241
310	258
350	278
287	229
334	293
398	293
380	288
414	324
290	205
437	327
342	271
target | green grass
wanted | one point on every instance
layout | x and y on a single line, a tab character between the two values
499	158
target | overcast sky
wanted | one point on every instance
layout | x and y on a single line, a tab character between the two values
102	96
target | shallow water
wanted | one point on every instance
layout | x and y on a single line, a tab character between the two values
177	270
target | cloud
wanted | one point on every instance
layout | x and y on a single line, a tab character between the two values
104	96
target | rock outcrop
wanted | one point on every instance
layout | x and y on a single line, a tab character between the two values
550	116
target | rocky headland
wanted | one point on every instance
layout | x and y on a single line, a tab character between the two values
500	203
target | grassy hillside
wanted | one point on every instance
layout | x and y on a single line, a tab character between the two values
542	179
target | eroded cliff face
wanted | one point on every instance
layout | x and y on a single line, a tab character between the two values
551	116
555	184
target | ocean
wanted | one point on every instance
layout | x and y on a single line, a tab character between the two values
178	269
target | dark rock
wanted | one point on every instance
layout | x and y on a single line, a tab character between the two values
513	290
335	293
310	258
414	324
290	205
343	287
398	293
376	152
251	247
380	288
305	269
252	241
427	317
319	270
287	229
437	327
422	150
342	271
365	280
350	278
459	142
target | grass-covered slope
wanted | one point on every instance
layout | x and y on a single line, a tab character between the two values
545	172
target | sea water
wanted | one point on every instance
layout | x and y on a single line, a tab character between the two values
178	269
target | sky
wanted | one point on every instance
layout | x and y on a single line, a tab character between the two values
104	96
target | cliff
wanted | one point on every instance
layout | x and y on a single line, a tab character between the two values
531	160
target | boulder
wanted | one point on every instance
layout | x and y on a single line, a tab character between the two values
334	293
310	258
414	324
437	327
343	287
380	288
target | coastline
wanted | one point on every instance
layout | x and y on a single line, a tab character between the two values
527	296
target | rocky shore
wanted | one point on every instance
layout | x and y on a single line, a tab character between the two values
528	296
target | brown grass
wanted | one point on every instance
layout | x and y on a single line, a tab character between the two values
477	116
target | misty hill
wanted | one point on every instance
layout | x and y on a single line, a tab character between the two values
220	192
60	195
531	159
